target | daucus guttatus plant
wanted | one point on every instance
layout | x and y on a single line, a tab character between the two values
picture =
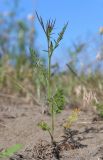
56	100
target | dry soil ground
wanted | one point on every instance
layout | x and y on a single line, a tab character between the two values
18	124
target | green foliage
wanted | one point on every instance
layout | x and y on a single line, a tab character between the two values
60	36
71	119
99	107
58	101
37	63
48	29
44	126
10	151
39	71
34	58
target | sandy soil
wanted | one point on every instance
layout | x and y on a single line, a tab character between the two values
18	124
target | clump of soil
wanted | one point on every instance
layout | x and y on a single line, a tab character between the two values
47	151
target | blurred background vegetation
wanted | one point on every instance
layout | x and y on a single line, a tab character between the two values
81	79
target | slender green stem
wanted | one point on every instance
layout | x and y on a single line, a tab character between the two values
49	76
49	90
49	69
52	138
52	123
